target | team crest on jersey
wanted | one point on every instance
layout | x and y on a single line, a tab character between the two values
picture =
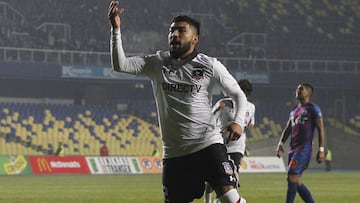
227	167
198	73
304	112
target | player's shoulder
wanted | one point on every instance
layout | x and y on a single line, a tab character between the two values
313	105
294	107
157	57
204	59
250	105
315	108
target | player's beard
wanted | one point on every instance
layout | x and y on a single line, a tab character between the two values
178	52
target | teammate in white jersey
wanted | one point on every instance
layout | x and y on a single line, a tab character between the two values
182	81
224	113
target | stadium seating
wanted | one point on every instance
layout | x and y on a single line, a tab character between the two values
314	29
37	128
265	129
355	122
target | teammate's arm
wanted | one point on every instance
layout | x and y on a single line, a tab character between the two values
250	125
251	122
231	88
218	106
284	136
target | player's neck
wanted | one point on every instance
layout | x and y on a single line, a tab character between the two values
304	101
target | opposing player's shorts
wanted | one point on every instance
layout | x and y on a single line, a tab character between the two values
184	177
298	161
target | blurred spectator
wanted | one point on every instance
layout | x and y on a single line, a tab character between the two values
104	150
328	158
156	152
60	151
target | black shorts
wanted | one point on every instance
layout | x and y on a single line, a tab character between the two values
236	157
184	177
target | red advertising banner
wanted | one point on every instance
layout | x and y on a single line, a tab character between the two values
151	164
59	165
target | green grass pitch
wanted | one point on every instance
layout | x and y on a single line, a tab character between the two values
256	188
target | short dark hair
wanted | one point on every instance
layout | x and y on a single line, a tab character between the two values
246	87
308	86
191	21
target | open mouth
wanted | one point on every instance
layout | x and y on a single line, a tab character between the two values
174	43
174	46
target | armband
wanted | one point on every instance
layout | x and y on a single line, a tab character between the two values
321	149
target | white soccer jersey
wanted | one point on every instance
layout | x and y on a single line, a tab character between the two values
182	90
224	117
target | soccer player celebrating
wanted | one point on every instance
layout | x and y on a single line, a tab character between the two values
224	113
182	80
304	118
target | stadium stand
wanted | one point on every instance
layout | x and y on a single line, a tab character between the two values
315	29
252	35
37	128
355	122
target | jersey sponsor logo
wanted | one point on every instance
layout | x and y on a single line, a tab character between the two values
180	87
299	120
298	117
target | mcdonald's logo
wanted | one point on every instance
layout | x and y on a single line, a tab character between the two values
43	165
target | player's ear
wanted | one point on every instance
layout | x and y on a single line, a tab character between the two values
195	39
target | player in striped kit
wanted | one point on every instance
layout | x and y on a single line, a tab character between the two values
304	118
183	80
224	113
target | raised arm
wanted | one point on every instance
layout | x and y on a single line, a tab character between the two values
120	62
114	14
